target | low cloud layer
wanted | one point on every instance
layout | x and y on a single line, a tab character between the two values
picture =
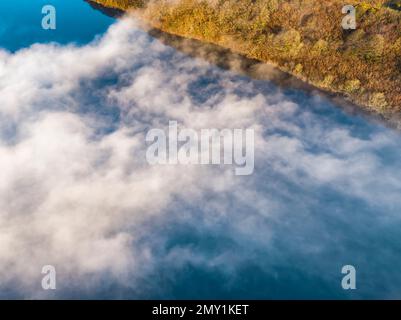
77	193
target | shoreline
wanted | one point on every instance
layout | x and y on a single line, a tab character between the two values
228	59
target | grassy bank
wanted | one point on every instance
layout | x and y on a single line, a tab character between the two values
302	37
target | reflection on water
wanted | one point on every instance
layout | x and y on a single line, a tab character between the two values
325	192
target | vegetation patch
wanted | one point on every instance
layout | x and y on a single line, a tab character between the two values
302	37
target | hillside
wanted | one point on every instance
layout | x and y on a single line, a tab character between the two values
302	37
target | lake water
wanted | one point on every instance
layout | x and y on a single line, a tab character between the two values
21	23
325	192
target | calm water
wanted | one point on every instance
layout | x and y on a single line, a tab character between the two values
21	23
321	227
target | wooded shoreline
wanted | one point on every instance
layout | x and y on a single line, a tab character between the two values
302	38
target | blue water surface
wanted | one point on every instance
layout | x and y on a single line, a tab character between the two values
76	21
354	232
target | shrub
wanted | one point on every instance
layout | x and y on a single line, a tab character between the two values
320	47
287	43
369	48
327	82
368	7
378	101
351	86
298	69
